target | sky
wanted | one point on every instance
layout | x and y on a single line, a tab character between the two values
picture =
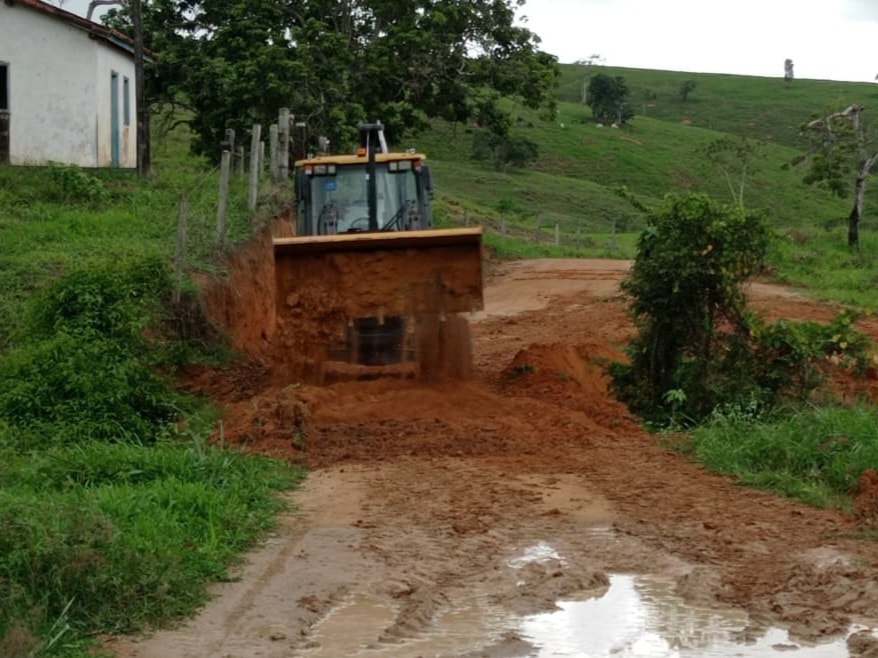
826	39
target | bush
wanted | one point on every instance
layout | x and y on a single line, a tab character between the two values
83	369
686	301
73	185
504	150
68	388
697	347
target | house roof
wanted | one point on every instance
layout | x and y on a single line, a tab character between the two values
95	30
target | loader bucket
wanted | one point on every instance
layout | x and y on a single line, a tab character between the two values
357	297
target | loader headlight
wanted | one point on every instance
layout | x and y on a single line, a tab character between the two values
396	166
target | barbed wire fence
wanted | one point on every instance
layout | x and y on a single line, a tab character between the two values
545	229
210	218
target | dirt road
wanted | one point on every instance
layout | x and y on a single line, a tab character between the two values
445	520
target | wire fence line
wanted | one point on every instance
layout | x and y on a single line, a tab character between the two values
545	229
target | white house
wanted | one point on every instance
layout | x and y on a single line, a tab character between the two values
66	89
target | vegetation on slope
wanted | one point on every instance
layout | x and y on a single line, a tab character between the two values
115	511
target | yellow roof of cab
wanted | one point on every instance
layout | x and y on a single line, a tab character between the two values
349	159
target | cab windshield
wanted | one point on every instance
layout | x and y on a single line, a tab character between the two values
340	202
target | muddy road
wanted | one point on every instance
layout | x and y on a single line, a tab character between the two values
461	519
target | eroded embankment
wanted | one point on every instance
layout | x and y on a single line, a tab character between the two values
297	305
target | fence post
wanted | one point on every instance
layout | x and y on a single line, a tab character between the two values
180	248
255	139
222	206
272	151
229	142
283	135
300	152
557	235
239	160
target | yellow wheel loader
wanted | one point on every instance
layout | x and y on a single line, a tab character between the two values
367	280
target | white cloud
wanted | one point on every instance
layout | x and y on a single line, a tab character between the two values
748	37
862	9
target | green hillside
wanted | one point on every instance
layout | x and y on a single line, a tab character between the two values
581	165
762	108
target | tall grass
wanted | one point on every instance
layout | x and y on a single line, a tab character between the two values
113	537
818	259
815	455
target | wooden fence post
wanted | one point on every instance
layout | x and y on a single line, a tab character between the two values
229	142
223	204
180	248
272	151
283	135
255	140
239	160
300	139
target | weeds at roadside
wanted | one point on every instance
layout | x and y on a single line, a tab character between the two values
815	455
521	369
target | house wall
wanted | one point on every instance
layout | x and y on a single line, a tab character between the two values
59	92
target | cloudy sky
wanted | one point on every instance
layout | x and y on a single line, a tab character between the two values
826	39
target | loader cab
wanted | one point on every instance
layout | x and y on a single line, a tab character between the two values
333	193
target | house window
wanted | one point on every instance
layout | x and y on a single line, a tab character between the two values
4	86
126	101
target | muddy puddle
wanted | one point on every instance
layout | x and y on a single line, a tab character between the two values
636	616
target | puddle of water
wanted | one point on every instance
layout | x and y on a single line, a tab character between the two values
638	617
540	552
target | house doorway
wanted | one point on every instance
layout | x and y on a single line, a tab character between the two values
4	113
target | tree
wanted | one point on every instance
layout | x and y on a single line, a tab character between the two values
788	71
842	147
336	63
608	99
504	150
686	88
588	63
733	158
